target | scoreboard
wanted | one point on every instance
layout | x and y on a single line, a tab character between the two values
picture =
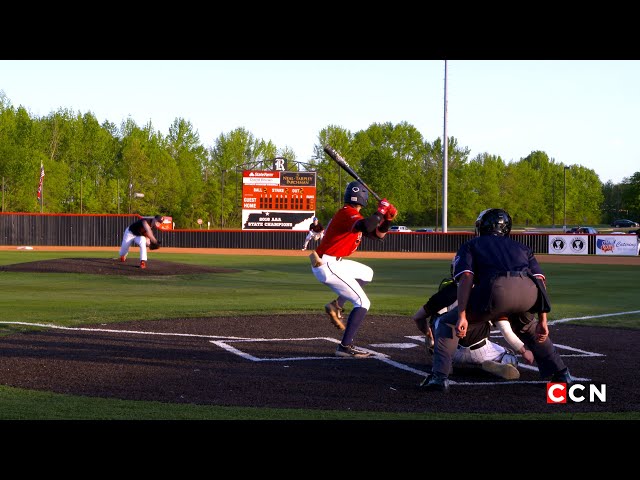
281	200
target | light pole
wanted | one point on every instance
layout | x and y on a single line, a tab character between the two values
553	208
221	195
436	229
130	193
564	227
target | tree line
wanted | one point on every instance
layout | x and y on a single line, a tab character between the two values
104	168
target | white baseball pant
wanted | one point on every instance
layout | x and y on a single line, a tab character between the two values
346	278
129	240
312	236
469	356
473	355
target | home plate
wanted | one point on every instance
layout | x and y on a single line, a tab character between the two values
394	345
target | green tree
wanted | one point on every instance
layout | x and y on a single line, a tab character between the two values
633	196
429	188
625	198
232	153
584	196
98	163
190	157
486	175
149	170
525	198
60	141
459	212
19	160
391	165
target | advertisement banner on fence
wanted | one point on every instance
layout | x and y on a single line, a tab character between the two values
568	244
617	244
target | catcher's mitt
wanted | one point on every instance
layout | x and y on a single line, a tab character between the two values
154	245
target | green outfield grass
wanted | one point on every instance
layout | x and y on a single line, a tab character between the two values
265	284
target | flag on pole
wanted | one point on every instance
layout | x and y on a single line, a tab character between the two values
41	177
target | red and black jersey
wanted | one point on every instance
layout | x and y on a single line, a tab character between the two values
137	227
341	238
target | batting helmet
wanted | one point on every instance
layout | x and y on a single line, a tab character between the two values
356	194
493	221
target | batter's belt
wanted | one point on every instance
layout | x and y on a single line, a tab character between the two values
477	345
512	274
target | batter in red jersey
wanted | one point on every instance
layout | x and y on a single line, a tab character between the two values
348	277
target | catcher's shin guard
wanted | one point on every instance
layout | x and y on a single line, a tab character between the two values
502	370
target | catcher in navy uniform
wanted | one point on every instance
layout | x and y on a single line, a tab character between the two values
140	233
497	277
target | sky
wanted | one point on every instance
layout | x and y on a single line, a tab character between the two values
579	112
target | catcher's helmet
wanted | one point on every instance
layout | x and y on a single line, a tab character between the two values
356	194
493	221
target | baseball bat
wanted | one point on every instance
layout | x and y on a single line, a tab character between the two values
347	168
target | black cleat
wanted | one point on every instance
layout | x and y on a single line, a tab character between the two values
563	376
436	383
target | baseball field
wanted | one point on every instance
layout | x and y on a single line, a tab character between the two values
242	335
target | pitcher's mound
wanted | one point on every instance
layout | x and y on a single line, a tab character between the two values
112	266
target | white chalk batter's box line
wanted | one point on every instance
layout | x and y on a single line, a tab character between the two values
227	345
224	342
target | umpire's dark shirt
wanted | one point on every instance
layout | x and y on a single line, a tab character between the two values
488	255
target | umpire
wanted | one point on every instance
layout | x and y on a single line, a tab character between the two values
497	277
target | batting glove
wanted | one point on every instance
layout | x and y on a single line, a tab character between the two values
383	206
391	213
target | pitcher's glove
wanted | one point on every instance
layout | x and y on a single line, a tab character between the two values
154	245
